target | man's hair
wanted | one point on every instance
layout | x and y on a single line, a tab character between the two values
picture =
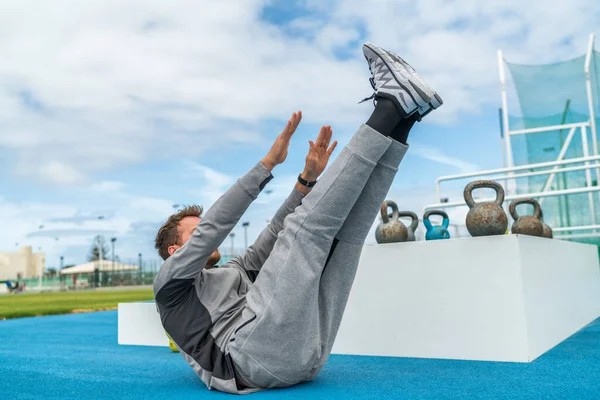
168	234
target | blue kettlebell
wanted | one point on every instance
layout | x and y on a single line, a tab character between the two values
436	232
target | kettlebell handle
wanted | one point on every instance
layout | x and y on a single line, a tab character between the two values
384	214
537	210
468	192
415	218
445	223
427	223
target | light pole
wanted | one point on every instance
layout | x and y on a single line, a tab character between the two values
112	241
56	240
245	225
232	236
62	260
100	257
140	263
41	264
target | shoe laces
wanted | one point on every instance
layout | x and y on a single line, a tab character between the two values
372	81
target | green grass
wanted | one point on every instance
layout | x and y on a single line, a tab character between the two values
30	305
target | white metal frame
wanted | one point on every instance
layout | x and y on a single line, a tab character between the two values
590	96
590	161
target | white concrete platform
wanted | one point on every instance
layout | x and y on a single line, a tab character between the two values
139	324
501	298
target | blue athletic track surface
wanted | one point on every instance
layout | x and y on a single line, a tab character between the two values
77	357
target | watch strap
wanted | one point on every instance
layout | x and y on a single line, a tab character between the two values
306	183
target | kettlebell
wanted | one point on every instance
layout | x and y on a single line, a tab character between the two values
436	232
547	230
530	224
486	218
390	230
413	225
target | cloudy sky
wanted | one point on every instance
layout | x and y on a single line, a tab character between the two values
123	108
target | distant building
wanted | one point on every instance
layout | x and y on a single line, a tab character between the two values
23	263
102	266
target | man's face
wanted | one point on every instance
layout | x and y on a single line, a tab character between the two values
186	228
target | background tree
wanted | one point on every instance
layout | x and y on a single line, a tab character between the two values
95	249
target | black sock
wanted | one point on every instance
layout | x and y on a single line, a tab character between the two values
385	117
400	132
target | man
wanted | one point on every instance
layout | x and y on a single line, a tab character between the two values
269	318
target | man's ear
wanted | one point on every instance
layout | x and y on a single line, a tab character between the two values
172	249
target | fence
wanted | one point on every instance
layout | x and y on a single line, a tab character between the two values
141	274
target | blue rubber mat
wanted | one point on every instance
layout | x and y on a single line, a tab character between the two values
77	357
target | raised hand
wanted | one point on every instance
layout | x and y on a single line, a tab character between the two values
279	150
318	154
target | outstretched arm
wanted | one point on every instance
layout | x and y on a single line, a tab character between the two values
316	161
187	262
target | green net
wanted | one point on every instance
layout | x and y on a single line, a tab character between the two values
550	95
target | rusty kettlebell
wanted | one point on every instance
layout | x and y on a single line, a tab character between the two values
487	218
412	228
530	224
547	230
390	230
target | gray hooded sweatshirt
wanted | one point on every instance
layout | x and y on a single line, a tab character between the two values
201	308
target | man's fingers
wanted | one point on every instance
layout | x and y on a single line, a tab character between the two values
332	148
321	136
289	126
325	137
298	119
286	129
328	137
292	125
295	121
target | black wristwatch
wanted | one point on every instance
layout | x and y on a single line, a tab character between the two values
306	183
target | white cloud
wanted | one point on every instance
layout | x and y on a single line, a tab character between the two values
435	154
107	186
68	228
116	83
21	219
109	78
59	173
211	183
211	177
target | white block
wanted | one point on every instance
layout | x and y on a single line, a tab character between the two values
139	324
500	298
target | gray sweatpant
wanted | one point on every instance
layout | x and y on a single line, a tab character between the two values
295	306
